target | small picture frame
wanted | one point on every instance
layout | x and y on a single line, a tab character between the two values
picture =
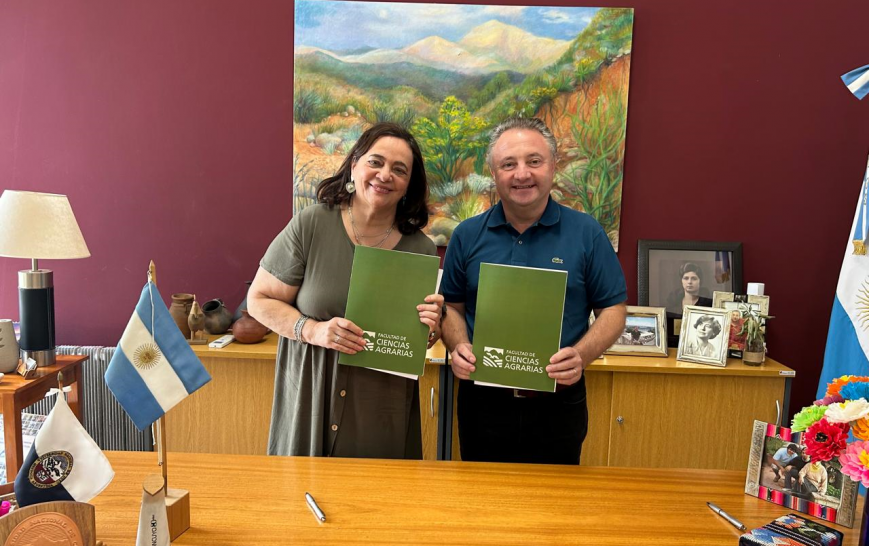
775	462
735	303
645	333
704	335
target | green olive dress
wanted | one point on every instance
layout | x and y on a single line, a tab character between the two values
321	408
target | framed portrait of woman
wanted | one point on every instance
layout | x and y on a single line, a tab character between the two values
704	337
673	274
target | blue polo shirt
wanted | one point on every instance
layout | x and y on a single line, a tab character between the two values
562	239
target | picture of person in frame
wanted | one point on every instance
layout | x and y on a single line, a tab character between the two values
701	342
689	290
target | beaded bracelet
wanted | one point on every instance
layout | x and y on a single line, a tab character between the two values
297	328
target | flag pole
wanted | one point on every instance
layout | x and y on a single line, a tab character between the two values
160	435
177	500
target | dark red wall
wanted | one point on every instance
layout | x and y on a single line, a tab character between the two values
168	124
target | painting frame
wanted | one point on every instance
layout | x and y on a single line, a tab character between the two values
451	83
654	253
757	483
659	349
687	352
720	300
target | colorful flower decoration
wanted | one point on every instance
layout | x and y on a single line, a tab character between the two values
836	385
855	462
860	429
808	417
829	399
847	411
854	391
825	440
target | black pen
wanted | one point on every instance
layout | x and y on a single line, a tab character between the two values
312	504
730	519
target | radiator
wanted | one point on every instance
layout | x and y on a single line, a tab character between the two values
103	418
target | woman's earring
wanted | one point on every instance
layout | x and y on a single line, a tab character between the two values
350	186
403	200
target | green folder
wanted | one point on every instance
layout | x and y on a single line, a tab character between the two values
385	288
518	325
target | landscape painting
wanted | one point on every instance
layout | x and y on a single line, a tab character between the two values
450	73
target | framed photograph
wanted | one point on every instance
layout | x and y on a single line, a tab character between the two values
735	303
673	274
645	333
704	335
781	472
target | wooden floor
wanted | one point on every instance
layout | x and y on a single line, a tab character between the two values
257	500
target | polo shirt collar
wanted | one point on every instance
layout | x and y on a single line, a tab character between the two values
551	215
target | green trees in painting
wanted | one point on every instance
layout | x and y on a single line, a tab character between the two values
455	135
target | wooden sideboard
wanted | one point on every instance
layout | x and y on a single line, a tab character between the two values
231	414
662	413
643	411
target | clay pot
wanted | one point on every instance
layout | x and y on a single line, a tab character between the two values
248	330
217	317
180	310
8	347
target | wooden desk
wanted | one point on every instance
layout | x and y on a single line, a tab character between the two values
231	414
17	393
244	500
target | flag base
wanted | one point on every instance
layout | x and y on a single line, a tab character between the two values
178	511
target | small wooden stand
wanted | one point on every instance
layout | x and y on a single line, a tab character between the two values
177	500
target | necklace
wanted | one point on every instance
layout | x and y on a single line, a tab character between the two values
356	231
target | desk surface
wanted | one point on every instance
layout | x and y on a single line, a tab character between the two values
238	499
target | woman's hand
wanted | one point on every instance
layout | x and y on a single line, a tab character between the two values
338	333
430	314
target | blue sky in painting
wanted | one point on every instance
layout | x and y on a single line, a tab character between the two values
347	25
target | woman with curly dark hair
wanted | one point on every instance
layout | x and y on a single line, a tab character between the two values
378	199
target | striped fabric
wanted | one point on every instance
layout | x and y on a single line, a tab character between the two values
857	81
153	367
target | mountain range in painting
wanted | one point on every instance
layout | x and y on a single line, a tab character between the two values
491	47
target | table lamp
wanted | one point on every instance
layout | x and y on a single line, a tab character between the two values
38	225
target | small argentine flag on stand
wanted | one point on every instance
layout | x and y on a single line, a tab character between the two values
154	368
848	337
858	81
64	462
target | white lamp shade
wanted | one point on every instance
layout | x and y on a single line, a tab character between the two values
39	226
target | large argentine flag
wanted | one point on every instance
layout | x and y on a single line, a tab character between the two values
848	338
150	374
857	81
64	462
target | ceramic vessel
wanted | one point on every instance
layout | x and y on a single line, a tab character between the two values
8	347
180	310
217	317
754	353
248	330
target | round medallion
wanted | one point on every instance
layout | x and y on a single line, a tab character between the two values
44	529
50	469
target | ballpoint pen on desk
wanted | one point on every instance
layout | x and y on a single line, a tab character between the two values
312	504
730	519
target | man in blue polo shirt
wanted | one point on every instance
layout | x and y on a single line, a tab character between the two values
527	228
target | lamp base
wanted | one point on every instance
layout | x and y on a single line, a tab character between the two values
36	305
42	358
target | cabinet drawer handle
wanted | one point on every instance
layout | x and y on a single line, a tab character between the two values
620	420
778	413
431	402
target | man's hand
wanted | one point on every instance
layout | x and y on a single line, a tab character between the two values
462	360
565	366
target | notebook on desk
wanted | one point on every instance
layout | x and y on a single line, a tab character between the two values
792	529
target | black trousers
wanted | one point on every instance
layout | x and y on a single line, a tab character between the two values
497	426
